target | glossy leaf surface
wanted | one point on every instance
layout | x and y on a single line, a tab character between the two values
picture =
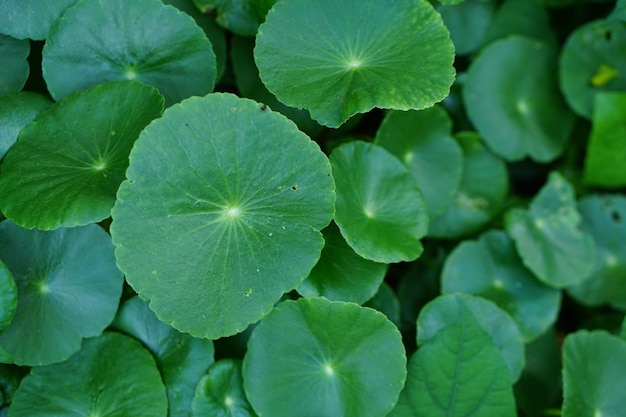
116	40
30	18
95	387
380	209
16	111
315	357
220	228
68	164
8	297
14	67
68	288
401	59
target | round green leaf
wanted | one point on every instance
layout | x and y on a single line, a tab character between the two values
337	59
16	111
181	358
341	274
516	107
64	173
604	217
480	195
112	375
324	358
548	238
422	141
605	150
446	310
142	40
68	288
593	374
221	213
467	22
8	297
251	86
457	373
491	268
220	393
380	210
593	60
30	18
14	67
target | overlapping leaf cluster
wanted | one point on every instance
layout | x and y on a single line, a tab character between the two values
312	208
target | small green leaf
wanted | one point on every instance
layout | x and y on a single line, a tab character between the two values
380	210
467	22
315	357
457	373
521	17
30	18
181	358
548	236
239	195
68	288
112	375
592	60
517	108
491	268
341	274
446	310
593	374
604	218
386	302
220	393
14	67
142	40
8	297
238	16
354	55
422	140
16	111
481	193
67	165
606	151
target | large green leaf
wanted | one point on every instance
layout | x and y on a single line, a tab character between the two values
337	59
67	165
380	210
68	288
16	111
422	141
490	267
517	108
446	310
181	358
480	195
467	22
221	213
112	375
604	217
593	374
8	297
142	40
341	274
593	60
14	67
548	236
315	357
220	393
606	151
30	18
457	373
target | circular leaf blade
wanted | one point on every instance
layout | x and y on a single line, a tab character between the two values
30	18
16	111
116	40
68	288
335	360
380	210
74	169
491	268
89	383
517	108
239	195
402	58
